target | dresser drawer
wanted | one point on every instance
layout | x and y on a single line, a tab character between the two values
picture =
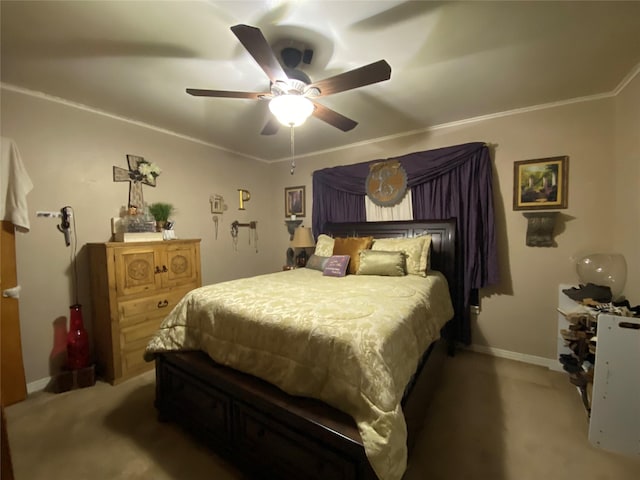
140	332
133	361
133	341
271	443
142	309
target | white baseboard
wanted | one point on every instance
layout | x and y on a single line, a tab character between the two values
519	357
38	385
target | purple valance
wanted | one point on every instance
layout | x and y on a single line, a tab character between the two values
420	167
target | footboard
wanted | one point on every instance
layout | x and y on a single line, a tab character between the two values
269	433
256	425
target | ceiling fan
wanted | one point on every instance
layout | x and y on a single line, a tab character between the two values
292	94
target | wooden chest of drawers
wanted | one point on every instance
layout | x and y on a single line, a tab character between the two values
133	287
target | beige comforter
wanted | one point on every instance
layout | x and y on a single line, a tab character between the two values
353	342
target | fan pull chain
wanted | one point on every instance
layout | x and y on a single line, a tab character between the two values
293	152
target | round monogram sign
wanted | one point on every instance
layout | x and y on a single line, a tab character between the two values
386	183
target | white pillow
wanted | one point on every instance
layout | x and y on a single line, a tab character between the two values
324	246
416	251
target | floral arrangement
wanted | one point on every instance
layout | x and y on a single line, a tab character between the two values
147	170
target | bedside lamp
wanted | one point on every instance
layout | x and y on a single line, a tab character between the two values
302	239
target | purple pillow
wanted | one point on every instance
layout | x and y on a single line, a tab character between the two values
336	266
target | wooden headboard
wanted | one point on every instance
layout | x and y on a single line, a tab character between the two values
444	247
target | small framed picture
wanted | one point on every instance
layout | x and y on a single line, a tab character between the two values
541	184
294	201
217	204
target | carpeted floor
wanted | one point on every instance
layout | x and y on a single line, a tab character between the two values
492	419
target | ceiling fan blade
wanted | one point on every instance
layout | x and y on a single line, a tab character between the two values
373	73
225	93
260	50
271	127
333	118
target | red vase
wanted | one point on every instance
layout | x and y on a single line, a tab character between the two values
77	340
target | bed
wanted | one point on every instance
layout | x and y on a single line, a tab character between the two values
273	434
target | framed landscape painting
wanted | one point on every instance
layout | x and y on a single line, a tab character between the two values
541	184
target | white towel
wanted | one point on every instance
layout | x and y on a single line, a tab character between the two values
15	184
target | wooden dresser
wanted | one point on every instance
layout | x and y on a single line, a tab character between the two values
133	287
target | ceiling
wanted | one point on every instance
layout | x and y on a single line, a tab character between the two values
450	61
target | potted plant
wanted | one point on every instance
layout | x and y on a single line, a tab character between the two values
161	213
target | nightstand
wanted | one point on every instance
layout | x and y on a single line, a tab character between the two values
288	267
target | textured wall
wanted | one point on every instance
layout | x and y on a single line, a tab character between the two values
626	211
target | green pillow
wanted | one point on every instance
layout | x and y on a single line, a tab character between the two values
378	262
316	262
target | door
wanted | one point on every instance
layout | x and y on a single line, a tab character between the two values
180	266
136	270
13	387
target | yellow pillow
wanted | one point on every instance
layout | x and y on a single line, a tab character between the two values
352	246
416	251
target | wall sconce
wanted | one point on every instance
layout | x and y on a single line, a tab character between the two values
540	228
291	226
302	239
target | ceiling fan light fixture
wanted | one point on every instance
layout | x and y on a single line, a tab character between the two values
291	110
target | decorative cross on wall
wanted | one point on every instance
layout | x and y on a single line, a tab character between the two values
135	179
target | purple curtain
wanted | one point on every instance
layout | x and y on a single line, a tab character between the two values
447	182
335	205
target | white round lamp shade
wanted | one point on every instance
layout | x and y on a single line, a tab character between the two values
606	269
291	110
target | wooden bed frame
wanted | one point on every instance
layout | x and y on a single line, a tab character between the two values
270	434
